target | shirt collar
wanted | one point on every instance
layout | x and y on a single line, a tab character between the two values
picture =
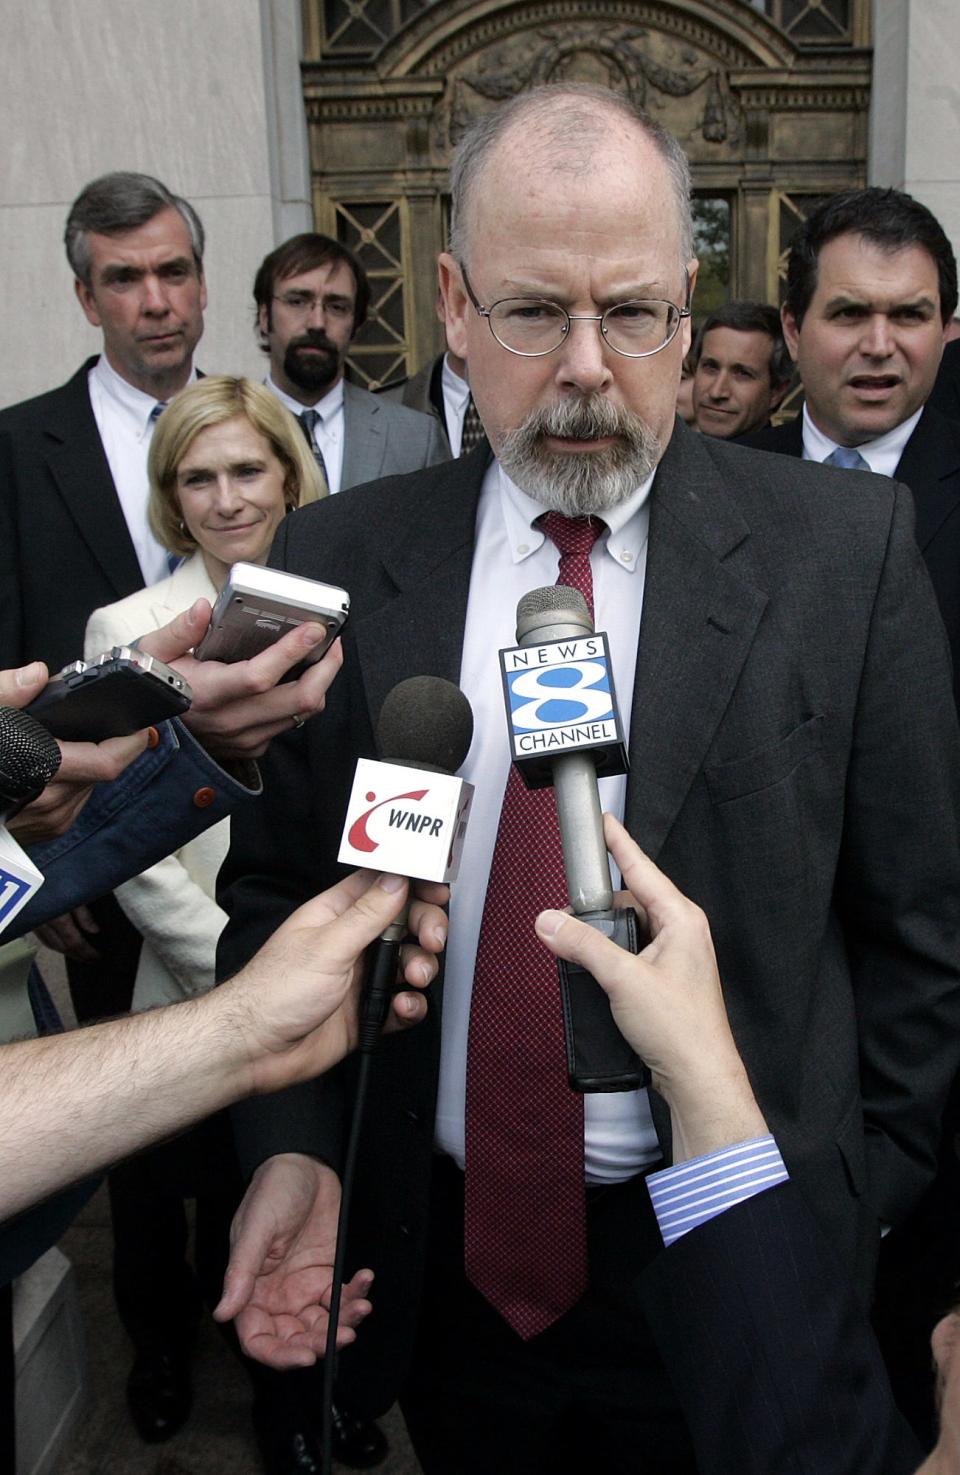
126	400
628	522
326	408
881	455
456	388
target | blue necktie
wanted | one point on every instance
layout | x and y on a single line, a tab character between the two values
848	458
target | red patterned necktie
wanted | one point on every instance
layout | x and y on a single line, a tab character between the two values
525	1215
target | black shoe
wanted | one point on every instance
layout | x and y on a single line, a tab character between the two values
359	1443
285	1451
159	1395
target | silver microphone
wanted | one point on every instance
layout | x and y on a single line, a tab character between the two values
558	612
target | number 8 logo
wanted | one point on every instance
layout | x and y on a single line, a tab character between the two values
558	695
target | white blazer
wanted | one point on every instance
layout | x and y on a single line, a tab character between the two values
171	904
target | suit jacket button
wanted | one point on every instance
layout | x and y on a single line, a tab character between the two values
203	798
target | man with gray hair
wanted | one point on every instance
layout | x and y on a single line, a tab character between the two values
793	769
74	536
73	462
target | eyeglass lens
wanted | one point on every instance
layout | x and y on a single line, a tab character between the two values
526	325
307	302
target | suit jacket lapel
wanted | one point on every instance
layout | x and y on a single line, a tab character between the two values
406	636
364	438
79	467
700	612
930	467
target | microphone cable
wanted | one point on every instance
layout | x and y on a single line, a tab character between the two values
426	723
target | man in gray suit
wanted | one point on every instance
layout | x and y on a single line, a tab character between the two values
312	296
793	769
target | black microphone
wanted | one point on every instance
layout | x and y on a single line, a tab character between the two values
397	821
29	759
562	666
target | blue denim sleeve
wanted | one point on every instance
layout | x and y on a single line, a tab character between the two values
170	794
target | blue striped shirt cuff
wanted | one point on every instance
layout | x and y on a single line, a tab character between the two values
692	1193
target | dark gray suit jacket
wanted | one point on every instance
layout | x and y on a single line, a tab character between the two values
773	1362
384	439
64	545
930	467
794	766
423	391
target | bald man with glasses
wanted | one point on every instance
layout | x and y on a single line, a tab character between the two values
787	692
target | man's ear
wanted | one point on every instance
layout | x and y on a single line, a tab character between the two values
686	327
263	322
791	332
87	301
456	303
777	395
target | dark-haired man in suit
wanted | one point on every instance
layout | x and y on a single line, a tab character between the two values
871	290
312	296
775	641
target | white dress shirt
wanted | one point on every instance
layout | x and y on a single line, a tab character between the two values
456	393
881	455
328	429
512	557
123	416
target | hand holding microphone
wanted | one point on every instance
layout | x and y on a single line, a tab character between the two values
565	730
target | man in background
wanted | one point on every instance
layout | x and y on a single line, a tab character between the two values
312	296
441	389
871	290
74	536
743	369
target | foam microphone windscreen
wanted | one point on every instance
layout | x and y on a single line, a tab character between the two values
425	722
29	757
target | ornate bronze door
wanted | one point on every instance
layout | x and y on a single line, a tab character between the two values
769	99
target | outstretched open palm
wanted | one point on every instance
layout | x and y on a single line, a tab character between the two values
277	1285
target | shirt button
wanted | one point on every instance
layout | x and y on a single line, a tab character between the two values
203	798
153	738
626	556
523	548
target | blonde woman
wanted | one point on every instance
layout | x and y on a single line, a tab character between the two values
227	462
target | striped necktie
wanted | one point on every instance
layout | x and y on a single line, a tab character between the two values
308	420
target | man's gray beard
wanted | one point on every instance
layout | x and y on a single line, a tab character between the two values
593	481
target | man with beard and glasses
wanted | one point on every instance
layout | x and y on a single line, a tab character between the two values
793	769
312	296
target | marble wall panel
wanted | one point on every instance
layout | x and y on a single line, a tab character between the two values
202	93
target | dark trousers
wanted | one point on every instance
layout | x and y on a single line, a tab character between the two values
917	1282
159	1295
588	1395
